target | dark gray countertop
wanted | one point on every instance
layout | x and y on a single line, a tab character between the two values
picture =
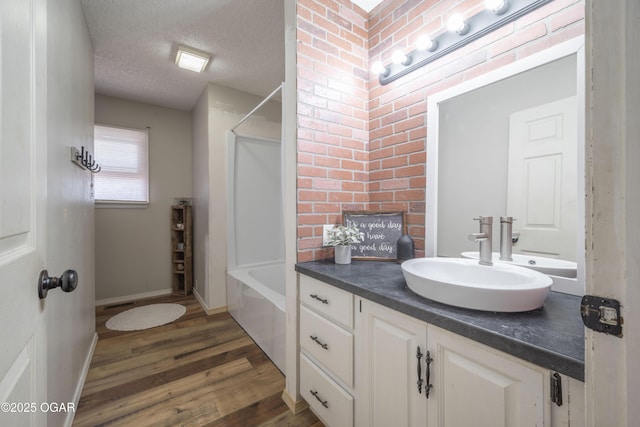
552	337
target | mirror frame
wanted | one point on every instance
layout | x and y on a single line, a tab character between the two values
571	47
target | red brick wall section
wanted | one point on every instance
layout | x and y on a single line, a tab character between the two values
397	125
362	145
333	118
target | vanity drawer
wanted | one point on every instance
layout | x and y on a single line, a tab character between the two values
330	344
327	399
328	300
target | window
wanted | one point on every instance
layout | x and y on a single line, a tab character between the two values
123	156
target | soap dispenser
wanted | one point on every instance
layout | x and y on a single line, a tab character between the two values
405	248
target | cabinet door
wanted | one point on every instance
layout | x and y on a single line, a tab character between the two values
476	386
572	411
387	376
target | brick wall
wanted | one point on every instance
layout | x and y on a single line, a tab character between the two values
362	145
333	118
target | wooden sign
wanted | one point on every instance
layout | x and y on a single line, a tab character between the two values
381	233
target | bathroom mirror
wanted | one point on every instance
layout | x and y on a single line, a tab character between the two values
476	164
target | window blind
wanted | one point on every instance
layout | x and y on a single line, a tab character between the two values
123	155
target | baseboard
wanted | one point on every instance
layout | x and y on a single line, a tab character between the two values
83	377
295	406
217	310
200	300
206	309
128	298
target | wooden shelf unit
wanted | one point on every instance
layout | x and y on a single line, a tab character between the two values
181	249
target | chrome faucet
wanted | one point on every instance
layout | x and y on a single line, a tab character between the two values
507	238
484	237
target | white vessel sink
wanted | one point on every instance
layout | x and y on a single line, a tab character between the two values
555	267
465	283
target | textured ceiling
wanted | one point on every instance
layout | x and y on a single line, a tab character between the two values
135	42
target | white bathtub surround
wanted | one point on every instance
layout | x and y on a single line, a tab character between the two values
256	300
255	248
255	221
342	254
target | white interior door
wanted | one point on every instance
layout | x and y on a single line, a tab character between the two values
22	195
542	179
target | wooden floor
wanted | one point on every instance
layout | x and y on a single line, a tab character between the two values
197	371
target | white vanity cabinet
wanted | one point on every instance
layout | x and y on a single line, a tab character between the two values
326	351
403	360
394	360
496	389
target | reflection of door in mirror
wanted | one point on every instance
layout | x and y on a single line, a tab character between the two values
473	147
542	179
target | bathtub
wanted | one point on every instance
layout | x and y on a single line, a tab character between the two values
256	300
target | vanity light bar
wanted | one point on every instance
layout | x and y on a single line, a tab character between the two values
478	25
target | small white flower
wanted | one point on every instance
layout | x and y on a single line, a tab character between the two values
341	235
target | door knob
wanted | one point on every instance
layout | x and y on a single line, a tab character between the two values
68	282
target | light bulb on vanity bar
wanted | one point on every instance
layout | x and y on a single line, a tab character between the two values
379	69
399	57
497	6
457	24
426	43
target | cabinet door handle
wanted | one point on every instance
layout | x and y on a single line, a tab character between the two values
428	385
322	402
316	297
320	343
419	357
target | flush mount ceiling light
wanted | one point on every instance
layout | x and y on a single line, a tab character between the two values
461	32
192	59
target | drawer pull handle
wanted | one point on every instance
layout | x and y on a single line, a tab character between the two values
322	300
322	402
320	343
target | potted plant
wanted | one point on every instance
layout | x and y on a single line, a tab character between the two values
342	237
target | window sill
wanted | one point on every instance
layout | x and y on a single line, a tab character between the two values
99	204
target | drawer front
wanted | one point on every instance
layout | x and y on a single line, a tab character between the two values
330	344
328	300
327	399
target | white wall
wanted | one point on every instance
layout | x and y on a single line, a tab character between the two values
70	213
133	245
224	109
200	152
291	394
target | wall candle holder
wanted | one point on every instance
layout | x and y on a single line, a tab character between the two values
84	160
476	26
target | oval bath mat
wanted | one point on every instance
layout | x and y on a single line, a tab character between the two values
145	317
